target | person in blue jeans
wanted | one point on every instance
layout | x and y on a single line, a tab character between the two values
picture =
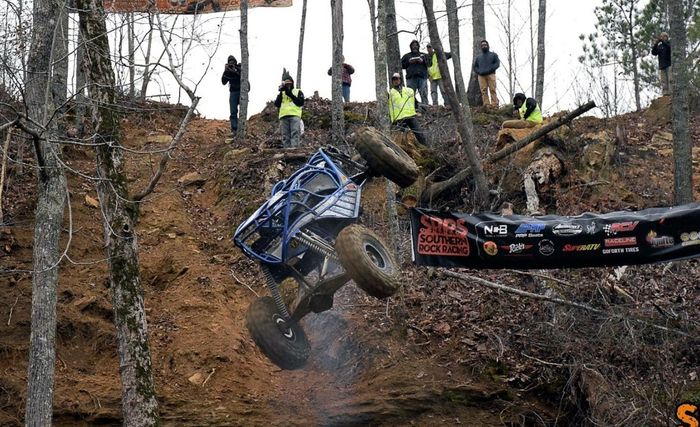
346	70
232	76
416	65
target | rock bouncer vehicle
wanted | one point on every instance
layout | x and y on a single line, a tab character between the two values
308	230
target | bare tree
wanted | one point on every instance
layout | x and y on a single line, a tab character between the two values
245	70
478	34
52	195
453	30
461	116
541	20
337	119
682	144
131	36
147	66
393	50
302	28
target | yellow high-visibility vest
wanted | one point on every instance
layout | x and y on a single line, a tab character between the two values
434	70
535	116
288	107
401	104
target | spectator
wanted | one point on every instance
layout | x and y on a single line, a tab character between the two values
232	76
435	76
485	66
662	49
402	108
347	69
290	101
416	65
528	110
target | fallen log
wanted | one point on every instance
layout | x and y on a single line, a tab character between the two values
437	188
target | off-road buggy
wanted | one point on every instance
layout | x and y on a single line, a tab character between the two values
308	230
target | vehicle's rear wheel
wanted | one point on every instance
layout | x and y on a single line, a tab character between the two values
368	261
384	157
286	346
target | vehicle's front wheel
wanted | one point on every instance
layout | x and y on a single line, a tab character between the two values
368	261
384	157
286	346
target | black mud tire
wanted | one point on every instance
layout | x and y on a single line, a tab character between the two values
287	350
368	261
385	158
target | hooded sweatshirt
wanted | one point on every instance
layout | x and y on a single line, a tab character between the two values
486	63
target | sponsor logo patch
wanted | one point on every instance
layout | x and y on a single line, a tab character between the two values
496	230
620	241
690	238
581	248
656	241
567	229
490	248
529	230
546	247
619	227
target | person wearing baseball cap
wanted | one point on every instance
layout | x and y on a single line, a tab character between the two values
402	108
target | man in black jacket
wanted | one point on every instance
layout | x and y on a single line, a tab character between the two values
232	76
485	66
416	65
662	49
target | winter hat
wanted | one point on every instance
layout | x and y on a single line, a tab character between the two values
396	76
520	96
232	58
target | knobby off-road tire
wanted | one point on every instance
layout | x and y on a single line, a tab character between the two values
385	158
289	349
368	261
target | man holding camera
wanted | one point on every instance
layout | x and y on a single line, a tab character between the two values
232	76
662	49
289	101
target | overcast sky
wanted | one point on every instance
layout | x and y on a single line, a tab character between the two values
274	37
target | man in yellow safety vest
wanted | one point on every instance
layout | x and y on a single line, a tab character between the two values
528	110
402	108
435	76
289	101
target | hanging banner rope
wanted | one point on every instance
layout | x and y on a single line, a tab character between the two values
186	7
448	239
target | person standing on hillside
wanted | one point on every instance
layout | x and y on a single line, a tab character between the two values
416	65
528	110
290	100
346	70
402	108
662	49
232	76
435	76
485	66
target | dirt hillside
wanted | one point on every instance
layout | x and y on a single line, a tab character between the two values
439	353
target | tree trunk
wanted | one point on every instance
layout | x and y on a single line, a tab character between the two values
532	49
130	46
541	20
52	194
682	144
453	30
380	65
633	52
139	404
510	40
337	119
393	50
478	34
59	75
245	70
461	116
302	28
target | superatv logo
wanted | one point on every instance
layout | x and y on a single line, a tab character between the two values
688	414
529	230
567	229
619	227
581	248
496	230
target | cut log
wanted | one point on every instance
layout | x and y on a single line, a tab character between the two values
437	188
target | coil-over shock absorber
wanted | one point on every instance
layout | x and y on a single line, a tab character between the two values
275	292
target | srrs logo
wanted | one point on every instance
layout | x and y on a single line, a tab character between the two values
500	229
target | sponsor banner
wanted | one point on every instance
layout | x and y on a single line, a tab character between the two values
449	239
186	6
